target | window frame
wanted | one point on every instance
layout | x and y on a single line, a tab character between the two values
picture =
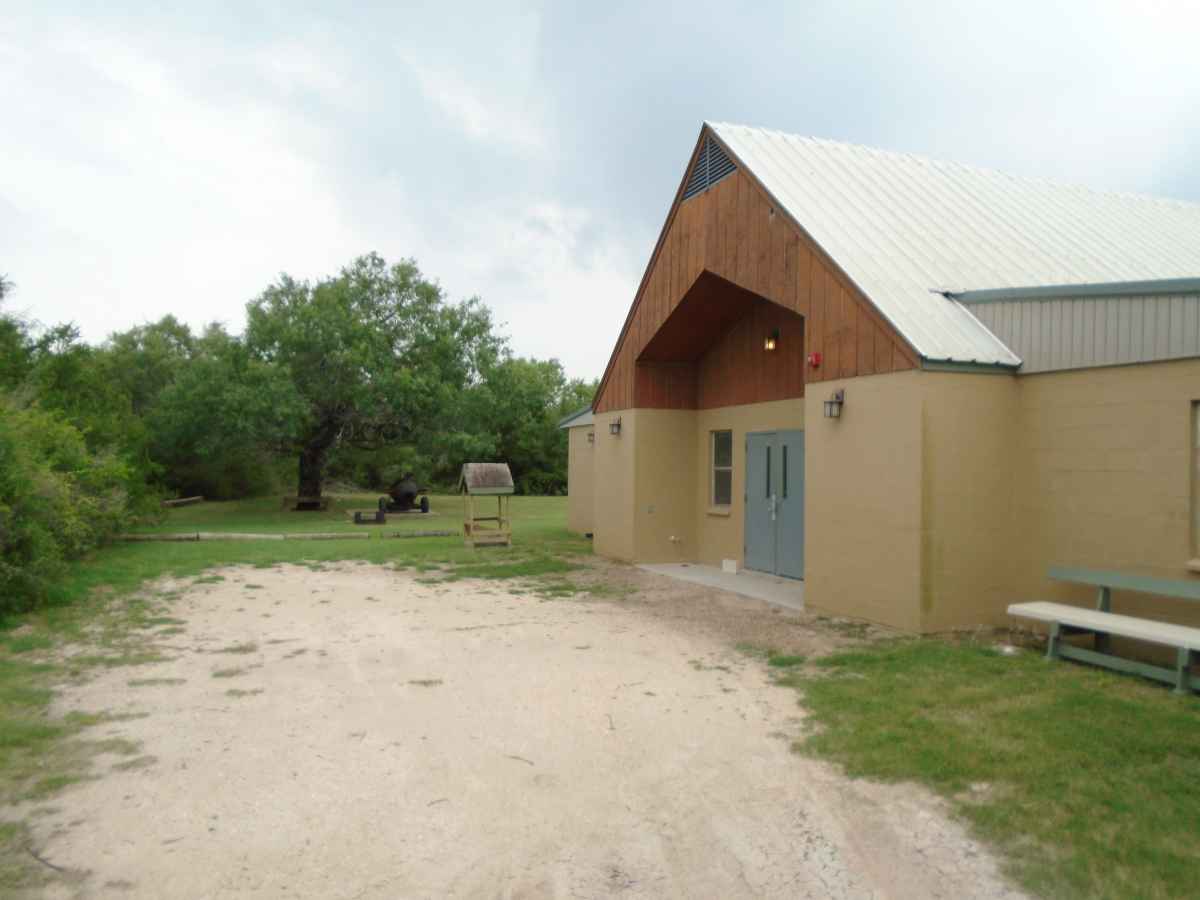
713	468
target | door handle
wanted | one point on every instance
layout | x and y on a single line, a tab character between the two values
772	507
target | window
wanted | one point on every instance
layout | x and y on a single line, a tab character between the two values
722	468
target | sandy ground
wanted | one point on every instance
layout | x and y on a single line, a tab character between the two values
394	739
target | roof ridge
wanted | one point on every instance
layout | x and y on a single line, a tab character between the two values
1039	180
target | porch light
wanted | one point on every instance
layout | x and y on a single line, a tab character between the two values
833	406
614	427
591	437
772	340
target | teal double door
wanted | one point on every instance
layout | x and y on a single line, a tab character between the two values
775	502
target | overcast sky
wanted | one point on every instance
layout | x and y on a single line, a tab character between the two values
157	162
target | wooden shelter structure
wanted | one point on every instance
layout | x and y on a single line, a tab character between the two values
486	480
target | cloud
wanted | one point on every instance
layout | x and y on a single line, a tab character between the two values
177	161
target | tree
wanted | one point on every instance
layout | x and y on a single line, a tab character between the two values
215	427
16	345
516	411
375	355
144	360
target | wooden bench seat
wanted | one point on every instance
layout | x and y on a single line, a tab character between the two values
1065	620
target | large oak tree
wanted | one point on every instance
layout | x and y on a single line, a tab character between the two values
376	354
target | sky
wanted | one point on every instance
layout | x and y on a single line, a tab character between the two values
177	158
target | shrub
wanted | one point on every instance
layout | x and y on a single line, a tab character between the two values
58	500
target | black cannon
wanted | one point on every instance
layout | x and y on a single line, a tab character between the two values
402	497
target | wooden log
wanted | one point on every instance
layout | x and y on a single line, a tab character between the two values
145	538
237	536
328	536
183	501
419	534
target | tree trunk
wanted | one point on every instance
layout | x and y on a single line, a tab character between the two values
312	473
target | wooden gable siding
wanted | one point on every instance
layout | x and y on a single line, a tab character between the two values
734	231
737	370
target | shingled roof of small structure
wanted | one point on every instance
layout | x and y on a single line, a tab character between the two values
485	478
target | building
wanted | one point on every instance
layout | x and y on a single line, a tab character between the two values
581	441
913	384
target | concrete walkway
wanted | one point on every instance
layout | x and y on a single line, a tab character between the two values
786	592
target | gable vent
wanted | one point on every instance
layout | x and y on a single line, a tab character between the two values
711	166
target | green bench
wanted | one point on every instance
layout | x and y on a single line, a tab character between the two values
1103	623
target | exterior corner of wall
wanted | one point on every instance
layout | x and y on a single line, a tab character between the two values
613	498
863	501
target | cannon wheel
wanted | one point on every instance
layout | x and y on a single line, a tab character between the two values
424	504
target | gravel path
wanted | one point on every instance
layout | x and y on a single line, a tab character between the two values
390	739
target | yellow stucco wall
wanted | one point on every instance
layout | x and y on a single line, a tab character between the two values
1109	479
613	495
972	475
661	510
1088	468
581	479
862	509
664	516
937	498
719	532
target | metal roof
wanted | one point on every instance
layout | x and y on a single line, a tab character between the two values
906	230
1158	288
576	419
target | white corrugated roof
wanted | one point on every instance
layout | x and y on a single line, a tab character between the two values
901	226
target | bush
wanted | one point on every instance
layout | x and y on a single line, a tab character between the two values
58	500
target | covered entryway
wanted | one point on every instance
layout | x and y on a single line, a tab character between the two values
775	502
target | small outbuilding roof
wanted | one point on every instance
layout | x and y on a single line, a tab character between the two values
577	419
485	478
916	235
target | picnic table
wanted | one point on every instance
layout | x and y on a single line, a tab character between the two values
1103	623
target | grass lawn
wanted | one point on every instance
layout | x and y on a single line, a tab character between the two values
1087	781
534	515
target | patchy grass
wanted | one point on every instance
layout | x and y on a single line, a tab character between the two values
425	682
785	660
27	643
154	621
771	657
232	672
247	647
511	565
112	661
238	692
701	666
156	682
1087	781
136	764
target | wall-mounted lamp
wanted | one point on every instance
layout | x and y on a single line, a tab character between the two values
772	340
614	427
591	437
833	406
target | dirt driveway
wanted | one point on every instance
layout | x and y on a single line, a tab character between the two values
354	733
